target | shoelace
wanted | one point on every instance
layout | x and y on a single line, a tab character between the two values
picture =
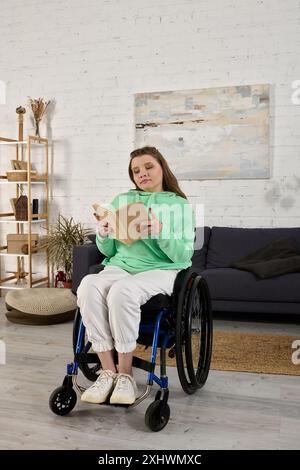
100	382
123	382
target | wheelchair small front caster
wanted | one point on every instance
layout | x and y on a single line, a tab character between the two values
157	415
62	400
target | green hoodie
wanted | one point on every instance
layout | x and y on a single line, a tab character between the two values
171	249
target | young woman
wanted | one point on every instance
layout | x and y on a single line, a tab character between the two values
110	301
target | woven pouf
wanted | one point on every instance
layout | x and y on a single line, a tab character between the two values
40	306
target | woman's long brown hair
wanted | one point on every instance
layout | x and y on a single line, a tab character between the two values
170	182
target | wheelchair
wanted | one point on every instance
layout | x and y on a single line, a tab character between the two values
180	323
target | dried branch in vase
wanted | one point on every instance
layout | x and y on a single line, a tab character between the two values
38	108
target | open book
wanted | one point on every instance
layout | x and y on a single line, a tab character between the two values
124	221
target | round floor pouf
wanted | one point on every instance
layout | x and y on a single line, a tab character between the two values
40	306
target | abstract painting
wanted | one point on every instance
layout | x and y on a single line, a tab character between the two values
211	133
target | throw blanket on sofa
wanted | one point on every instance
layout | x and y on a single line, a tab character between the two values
277	258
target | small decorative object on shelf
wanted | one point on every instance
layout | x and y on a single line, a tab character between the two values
18	165
18	242
21	205
18	175
20	112
38	107
19	171
35	208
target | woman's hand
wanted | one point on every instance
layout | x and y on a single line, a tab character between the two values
152	227
103	227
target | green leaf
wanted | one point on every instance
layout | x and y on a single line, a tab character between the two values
63	235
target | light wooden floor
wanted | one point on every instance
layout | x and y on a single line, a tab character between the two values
233	411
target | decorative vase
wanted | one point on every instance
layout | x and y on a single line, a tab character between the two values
37	127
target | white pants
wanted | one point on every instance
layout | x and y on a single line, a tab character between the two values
110	303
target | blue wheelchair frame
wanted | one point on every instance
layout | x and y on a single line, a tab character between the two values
72	368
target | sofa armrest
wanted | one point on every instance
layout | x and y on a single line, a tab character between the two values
84	256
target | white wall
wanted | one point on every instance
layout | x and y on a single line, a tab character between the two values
93	56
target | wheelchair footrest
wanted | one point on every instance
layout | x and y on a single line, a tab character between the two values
118	405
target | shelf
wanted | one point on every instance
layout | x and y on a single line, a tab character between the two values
23	221
12	142
3	252
35	178
31	138
23	285
21	182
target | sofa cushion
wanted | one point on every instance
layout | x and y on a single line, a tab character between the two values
277	258
227	245
233	284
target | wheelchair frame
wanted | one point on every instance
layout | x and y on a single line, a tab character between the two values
173	326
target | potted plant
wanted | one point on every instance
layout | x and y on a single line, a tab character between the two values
63	235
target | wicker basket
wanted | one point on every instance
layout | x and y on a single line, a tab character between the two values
18	175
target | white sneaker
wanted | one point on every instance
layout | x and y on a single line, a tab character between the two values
125	391
101	389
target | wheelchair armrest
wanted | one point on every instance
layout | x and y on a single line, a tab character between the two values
84	256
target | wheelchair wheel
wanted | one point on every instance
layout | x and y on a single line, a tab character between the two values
88	370
198	333
193	334
62	400
157	415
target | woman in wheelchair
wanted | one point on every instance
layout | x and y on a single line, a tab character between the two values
110	301
157	265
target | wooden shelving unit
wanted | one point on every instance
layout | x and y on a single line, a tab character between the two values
24	151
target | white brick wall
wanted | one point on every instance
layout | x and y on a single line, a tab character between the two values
93	56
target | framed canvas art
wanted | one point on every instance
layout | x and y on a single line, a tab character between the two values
212	133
